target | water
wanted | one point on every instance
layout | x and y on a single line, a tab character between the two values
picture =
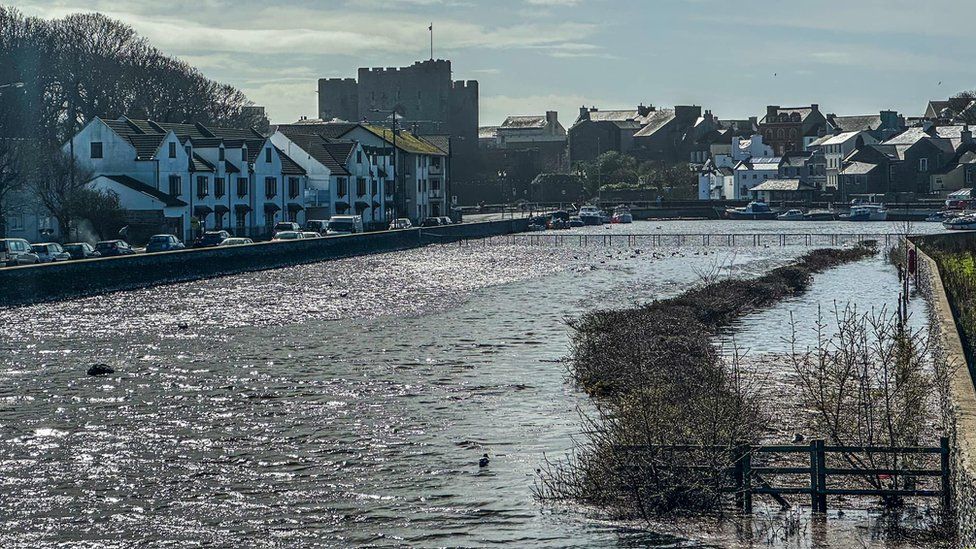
337	404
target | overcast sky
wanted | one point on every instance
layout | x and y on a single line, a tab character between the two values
733	57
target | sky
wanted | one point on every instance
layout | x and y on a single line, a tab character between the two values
731	57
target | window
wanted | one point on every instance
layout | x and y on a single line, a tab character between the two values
375	188
267	155
221	154
219	186
244	154
360	186
923	164
203	186
96	149
293	187
172	150
269	219
175	185
359	157
240	216
270	187
241	187
420	187
435	184
341	186
15	222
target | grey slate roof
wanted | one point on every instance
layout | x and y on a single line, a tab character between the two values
782	185
318	148
141	187
521	122
289	166
858	168
855	123
655	121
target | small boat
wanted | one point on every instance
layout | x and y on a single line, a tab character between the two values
604	218
945	215
791	215
866	212
621	214
576	221
819	215
961	223
755	210
590	215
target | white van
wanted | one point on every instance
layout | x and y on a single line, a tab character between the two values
345	224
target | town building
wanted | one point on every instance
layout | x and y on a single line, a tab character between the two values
782	190
881	126
751	172
418	182
424	95
792	129
672	135
836	148
717	176
595	132
188	178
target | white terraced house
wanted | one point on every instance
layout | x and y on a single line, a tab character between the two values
188	178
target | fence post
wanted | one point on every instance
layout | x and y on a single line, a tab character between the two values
813	476
946	485
821	477
746	452
737	474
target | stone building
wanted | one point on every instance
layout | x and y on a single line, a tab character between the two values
596	132
792	129
424	95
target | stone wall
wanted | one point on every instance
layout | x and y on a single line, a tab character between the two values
961	407
54	281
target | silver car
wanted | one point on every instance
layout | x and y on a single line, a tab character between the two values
49	252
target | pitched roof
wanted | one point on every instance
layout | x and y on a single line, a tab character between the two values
289	166
655	121
317	127
405	141
141	187
487	132
858	168
838	139
146	145
200	164
908	138
804	112
854	123
796	159
322	150
761	163
782	185
523	122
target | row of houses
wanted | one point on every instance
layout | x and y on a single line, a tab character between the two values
187	178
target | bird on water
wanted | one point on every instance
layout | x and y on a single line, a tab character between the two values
483	462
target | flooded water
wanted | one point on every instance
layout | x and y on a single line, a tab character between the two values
343	403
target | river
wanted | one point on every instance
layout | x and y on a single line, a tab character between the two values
343	403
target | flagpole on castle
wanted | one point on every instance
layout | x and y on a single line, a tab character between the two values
431	29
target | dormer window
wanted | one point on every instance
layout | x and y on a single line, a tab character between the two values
244	154
172	150
220	154
267	155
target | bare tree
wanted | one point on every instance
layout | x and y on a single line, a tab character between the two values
55	180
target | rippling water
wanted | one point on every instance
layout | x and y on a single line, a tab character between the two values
336	404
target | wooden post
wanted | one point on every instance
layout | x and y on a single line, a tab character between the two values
746	452
946	485
737	474
821	477
813	476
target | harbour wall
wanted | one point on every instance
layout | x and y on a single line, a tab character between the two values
56	281
961	406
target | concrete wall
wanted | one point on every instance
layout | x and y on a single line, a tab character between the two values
961	408
55	281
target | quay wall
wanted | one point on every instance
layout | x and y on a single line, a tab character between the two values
961	407
55	281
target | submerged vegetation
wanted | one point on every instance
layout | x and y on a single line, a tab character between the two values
672	412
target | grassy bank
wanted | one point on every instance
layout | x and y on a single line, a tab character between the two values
658	381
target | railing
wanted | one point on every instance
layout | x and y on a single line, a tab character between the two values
558	239
745	478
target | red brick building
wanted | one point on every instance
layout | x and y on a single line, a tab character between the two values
792	129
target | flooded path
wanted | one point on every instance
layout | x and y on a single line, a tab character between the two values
337	404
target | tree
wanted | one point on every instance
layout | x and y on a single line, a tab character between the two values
101	209
55	179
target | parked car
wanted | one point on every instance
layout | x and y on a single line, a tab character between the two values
113	248
236	241
81	250
286	226
49	252
210	239
311	234
345	224
400	223
16	251
431	222
320	226
164	243
445	220
289	235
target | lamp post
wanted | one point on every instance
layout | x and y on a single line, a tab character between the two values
503	177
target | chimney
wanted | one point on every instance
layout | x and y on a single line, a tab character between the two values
815	107
584	113
642	110
552	119
772	110
753	122
967	135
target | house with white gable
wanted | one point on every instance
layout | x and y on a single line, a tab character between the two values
717	180
188	178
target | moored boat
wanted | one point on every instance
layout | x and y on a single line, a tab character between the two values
819	215
961	223
590	215
621	214
755	210
866	212
790	215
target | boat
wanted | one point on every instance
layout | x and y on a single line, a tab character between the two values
866	212
604	218
590	215
819	215
755	210
791	215
621	214
576	221
961	223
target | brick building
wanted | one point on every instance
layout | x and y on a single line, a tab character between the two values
792	129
